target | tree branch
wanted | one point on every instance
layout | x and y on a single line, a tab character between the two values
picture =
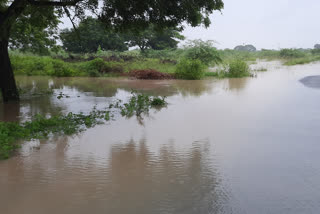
54	3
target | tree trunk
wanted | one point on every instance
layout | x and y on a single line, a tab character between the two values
7	82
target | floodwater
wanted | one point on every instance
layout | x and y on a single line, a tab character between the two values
247	146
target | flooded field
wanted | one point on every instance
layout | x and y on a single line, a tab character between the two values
243	146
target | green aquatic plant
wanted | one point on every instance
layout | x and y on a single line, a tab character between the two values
140	103
43	127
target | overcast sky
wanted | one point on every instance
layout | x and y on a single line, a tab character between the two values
264	23
269	24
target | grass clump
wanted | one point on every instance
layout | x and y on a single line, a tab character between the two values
190	69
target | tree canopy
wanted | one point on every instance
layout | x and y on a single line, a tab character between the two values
89	35
35	30
155	39
249	48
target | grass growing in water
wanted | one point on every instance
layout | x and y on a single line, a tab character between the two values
190	69
235	69
42	127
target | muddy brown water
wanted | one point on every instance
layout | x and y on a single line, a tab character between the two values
249	145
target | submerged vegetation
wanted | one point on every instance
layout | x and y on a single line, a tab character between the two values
43	127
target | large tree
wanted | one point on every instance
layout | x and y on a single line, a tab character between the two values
157	39
91	34
120	14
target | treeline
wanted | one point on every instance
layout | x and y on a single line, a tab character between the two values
90	36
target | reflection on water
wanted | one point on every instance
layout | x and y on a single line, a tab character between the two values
84	93
131	177
242	146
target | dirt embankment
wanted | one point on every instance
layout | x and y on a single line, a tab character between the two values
150	74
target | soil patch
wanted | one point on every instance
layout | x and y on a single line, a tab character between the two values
150	74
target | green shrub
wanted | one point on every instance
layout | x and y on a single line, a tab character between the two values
96	64
190	69
291	53
238	68
315	51
203	51
61	69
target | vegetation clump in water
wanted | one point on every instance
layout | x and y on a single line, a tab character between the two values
140	103
42	127
190	69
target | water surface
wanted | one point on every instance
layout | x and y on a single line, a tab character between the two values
248	145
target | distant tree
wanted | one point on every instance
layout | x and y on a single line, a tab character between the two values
317	46
249	48
120	14
156	39
89	35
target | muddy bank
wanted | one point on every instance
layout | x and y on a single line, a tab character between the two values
150	74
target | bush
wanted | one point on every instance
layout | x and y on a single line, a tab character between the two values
203	51
291	53
61	69
238	68
315	51
96	65
190	69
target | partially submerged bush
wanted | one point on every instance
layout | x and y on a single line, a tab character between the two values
190	69
140	103
238	68
235	69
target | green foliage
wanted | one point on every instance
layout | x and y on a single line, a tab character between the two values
42	127
146	64
9	132
303	60
35	30
235	69
61	69
140	103
291	53
35	65
154	38
190	69
238	68
315	51
203	51
92	36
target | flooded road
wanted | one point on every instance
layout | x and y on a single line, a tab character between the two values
242	146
